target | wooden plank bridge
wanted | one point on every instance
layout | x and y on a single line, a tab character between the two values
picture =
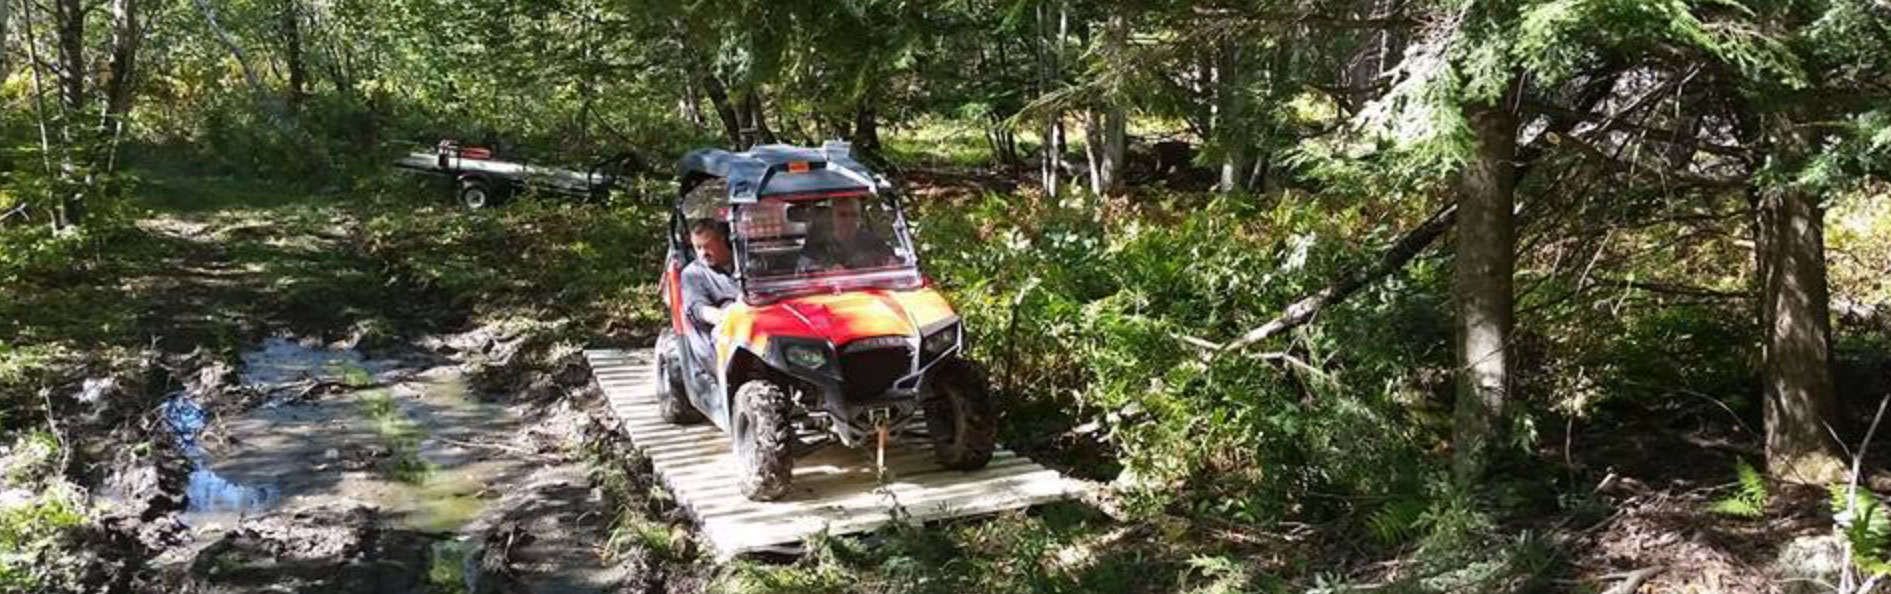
834	489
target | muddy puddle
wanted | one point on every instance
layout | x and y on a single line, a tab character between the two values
401	435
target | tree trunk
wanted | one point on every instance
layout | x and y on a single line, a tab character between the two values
1230	107
69	184
6	14
725	110
1265	176
69	30
291	24
127	34
866	136
1795	314
1107	126
688	106
1053	24
230	45
1103	145
1482	288
756	118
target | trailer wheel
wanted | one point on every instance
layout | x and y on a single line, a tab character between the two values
476	194
763	440
959	417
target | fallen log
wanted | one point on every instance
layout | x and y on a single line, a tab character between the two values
1858	314
1301	311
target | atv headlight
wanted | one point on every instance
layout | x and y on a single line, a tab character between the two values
805	355
936	344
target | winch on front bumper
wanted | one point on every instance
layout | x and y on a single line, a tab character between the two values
868	384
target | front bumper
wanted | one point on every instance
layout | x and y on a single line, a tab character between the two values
863	384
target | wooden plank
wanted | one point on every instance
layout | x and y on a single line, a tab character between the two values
834	490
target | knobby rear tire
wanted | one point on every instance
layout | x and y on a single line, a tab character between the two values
671	395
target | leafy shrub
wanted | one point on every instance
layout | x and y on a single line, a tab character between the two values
1090	311
35	535
41	516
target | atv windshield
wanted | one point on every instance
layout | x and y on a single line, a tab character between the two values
795	245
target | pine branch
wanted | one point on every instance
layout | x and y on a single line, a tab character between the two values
1632	165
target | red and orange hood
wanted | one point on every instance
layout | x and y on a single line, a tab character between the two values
839	318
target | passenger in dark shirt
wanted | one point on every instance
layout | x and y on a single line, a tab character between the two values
843	242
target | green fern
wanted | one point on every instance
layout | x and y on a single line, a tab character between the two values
1398	521
1867	527
1749	497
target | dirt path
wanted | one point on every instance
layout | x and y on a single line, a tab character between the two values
336	440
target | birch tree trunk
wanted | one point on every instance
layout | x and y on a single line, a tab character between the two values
1107	126
1053	24
69	35
1482	288
127	35
229	44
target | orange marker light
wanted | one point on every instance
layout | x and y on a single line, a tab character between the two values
798	167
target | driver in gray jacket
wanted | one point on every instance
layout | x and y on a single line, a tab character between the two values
707	286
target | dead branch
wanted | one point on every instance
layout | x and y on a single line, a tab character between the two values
1632	165
518	451
1861	315
1675	290
1303	310
19	210
1849	577
1632	581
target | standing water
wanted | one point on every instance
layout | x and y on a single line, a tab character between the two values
209	493
399	435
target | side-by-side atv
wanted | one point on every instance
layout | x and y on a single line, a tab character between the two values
836	337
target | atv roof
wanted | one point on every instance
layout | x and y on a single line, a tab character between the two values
752	173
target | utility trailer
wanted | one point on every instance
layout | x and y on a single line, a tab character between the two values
481	181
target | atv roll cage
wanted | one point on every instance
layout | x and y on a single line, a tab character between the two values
779	203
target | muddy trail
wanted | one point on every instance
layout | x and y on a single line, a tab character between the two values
326	429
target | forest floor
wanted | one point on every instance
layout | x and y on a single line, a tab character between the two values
340	426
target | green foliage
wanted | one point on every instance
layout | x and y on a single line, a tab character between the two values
1398	521
596	264
30	461
401	435
633	532
37	535
1090	312
446	567
1748	500
1866	525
